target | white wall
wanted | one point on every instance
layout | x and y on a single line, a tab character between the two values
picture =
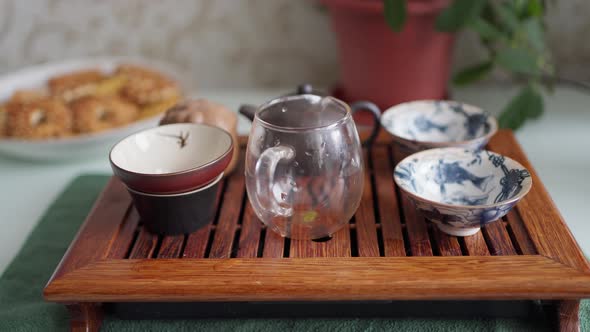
226	43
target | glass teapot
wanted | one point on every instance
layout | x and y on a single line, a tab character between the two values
304	163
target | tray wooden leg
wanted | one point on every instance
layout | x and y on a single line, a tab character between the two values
85	317
568	315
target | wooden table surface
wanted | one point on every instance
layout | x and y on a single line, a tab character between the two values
387	252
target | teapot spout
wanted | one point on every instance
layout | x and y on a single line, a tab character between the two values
248	111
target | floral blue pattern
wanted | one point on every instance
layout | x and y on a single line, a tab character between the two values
512	181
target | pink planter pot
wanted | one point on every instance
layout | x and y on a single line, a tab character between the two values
388	67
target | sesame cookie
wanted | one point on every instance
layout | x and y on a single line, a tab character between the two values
75	85
44	118
145	86
92	114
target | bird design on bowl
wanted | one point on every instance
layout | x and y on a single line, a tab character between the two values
182	138
474	122
453	173
427	124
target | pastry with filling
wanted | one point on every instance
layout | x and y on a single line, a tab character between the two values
26	96
147	87
93	114
75	85
110	86
43	118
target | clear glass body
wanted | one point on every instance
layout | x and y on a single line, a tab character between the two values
304	167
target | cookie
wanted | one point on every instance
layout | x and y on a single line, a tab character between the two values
154	109
93	114
44	118
75	84
26	96
145	86
110	86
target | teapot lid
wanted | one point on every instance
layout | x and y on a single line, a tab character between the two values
305	89
302	89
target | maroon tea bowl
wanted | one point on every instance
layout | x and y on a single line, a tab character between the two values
172	159
175	214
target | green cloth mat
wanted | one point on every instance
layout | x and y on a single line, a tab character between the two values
22	307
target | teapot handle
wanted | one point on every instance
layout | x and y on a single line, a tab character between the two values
265	173
375	112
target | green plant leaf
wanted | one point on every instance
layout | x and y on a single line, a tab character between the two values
536	106
517	60
485	29
456	16
535	34
520	7
473	73
535	8
506	15
395	13
528	104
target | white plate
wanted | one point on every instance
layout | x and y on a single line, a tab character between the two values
80	146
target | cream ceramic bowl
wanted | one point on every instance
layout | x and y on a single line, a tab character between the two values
173	158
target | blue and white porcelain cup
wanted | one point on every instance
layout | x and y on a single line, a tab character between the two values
428	124
461	190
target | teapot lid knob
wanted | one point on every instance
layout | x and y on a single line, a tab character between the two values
304	89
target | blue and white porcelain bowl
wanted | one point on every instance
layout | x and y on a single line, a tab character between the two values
461	190
427	124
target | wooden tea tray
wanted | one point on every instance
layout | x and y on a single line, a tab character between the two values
388	252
